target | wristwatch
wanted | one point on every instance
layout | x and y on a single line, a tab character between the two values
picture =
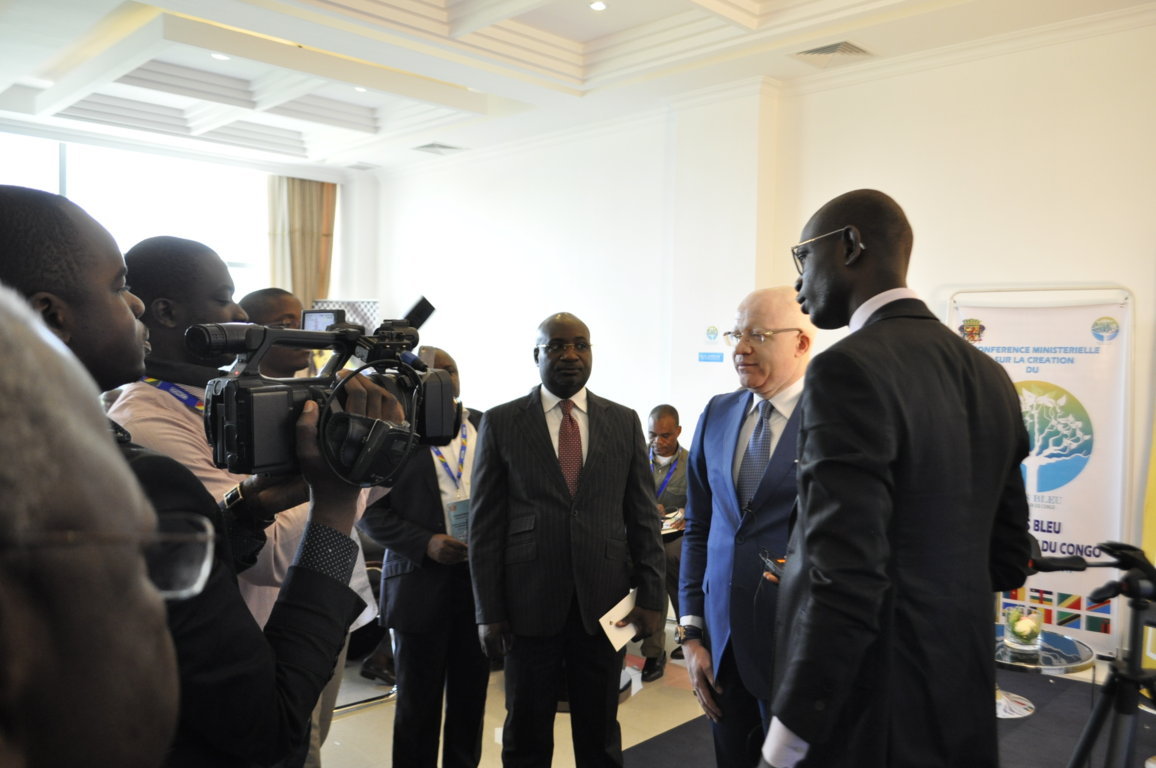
684	632
240	511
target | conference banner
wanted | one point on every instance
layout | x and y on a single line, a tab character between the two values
1069	365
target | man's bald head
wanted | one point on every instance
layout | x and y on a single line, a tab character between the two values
854	247
436	357
181	282
563	354
777	362
41	248
882	224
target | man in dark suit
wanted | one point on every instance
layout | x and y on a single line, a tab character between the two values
742	490
563	524
911	513
428	601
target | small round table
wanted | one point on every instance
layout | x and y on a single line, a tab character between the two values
1058	654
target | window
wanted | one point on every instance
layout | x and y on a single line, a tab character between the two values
137	195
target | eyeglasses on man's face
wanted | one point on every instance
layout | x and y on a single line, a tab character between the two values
755	336
178	555
799	251
556	348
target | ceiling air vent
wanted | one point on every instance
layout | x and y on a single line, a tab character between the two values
833	55
439	149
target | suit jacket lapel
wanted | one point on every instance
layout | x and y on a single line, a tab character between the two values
597	417
537	436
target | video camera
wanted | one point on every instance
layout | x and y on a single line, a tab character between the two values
250	419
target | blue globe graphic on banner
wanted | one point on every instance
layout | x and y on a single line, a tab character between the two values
1060	435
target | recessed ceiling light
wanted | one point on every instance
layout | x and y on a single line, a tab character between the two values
219	56
598	5
359	89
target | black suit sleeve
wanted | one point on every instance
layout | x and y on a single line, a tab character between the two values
1010	544
246	695
845	486
643	527
489	518
384	523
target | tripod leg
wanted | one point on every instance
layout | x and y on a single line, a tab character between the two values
1092	729
1120	751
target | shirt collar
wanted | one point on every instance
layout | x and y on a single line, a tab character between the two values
876	302
550	400
784	400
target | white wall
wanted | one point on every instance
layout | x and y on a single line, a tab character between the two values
1027	165
642	228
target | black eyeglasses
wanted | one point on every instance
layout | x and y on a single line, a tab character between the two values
756	336
555	348
800	256
178	555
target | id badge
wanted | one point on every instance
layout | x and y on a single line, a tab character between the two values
459	513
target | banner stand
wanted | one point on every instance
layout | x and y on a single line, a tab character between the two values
1068	352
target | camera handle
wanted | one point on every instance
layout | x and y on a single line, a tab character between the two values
370	432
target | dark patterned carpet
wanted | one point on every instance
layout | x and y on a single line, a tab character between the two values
1043	740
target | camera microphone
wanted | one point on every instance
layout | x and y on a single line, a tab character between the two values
1050	564
1037	563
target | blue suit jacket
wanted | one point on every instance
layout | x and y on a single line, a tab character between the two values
722	574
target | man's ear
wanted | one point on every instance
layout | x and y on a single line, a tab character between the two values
56	312
536	350
855	245
164	311
803	346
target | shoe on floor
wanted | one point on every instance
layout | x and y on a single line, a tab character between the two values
654	668
676	653
371	668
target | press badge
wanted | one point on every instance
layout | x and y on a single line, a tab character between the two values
459	514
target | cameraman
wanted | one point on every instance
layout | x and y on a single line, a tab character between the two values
246	696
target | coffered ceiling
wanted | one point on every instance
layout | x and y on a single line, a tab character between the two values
357	83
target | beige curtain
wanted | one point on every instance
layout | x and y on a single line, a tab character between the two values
301	220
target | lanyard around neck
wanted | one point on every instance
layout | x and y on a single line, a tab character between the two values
669	473
457	479
187	398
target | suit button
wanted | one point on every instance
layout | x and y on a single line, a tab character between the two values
740	539
820	705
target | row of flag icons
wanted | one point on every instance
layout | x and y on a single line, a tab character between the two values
1062	609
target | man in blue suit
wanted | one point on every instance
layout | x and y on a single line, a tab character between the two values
741	491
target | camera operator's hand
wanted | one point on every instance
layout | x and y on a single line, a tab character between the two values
365	398
496	639
333	499
266	495
446	549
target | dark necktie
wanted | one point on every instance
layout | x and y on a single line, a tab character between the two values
757	457
570	447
